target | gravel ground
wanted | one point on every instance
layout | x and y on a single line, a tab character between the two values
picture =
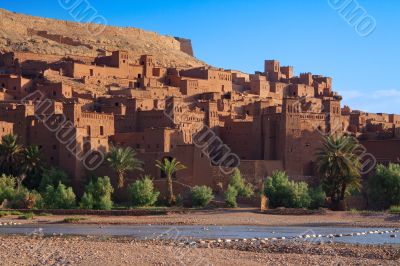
36	250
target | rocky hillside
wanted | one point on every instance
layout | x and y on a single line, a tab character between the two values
22	33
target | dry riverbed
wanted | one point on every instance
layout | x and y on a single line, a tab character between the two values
37	250
231	217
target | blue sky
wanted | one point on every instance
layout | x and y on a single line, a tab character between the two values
238	34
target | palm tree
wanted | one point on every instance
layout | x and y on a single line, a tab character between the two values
10	154
123	160
32	166
339	166
169	167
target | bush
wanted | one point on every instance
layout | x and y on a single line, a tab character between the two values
243	189
26	216
142	193
278	190
318	197
53	177
384	186
20	198
394	209
7	188
300	195
284	193
230	196
97	195
25	199
59	198
72	220
201	196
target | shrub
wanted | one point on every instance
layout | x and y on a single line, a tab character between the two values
87	201
394	209
318	197
284	193
201	196
53	177
384	186
26	216
20	198
59	198
25	199
243	189
230	196
98	195
7	188
278	190
142	193
300	195
72	220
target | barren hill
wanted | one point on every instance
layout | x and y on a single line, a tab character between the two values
22	33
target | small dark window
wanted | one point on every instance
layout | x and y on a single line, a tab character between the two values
101	130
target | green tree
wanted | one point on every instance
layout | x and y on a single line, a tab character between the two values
384	186
123	160
317	196
230	196
300	195
32	166
201	196
278	190
10	155
97	195
169	167
7	188
243	189
60	197
53	177
282	192
142	192
237	187
338	166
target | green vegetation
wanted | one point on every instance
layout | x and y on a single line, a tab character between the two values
7	188
338	166
284	193
169	167
201	196
123	160
230	196
97	195
26	216
52	177
394	209
59	197
237	188
317	196
142	193
384	186
71	220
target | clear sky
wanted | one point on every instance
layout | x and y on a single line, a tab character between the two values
239	34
